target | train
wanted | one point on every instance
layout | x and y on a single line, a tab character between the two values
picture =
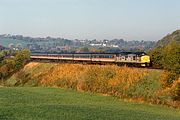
122	58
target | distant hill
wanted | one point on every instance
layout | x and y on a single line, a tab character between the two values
61	45
174	37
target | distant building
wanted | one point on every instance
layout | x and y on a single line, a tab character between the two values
11	46
114	46
94	44
104	44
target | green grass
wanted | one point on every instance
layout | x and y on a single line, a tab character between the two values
31	103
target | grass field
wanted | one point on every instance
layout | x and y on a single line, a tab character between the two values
32	103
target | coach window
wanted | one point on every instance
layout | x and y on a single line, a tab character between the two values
134	57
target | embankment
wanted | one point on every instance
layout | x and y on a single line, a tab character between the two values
123	82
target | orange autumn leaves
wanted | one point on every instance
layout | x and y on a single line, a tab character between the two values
108	76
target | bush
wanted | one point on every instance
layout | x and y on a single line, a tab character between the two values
176	90
11	65
146	87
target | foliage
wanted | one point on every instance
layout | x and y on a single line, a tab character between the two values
146	87
21	58
3	54
175	91
84	50
166	52
156	57
11	64
171	57
166	55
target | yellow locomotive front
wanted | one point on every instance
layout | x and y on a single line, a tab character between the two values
145	60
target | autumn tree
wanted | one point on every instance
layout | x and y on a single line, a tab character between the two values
12	63
171	57
21	58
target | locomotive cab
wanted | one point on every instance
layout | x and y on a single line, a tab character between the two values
145	60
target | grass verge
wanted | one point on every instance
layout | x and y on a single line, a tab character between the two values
37	103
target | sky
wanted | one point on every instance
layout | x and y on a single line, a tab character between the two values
90	19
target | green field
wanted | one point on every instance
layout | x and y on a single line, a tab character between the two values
31	103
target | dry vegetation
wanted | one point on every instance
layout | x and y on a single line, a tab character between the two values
123	82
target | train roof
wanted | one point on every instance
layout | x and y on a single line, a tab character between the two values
123	53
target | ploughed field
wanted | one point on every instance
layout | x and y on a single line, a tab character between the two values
33	103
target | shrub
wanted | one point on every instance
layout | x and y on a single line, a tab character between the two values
175	92
11	65
146	87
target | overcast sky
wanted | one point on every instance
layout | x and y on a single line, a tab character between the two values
90	19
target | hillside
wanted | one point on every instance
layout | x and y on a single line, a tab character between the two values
170	38
166	54
122	82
